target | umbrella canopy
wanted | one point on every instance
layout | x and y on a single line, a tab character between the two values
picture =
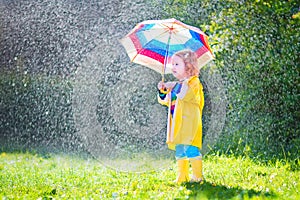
151	43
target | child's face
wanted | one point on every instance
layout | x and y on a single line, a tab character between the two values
178	67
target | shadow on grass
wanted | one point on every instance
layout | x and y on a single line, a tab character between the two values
209	190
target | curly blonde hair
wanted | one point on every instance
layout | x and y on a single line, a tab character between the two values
190	60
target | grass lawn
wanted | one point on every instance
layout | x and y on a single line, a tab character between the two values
30	176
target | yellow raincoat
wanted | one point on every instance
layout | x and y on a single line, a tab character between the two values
185	127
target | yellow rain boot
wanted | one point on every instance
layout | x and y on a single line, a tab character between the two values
197	170
183	171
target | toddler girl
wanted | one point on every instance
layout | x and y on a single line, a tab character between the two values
185	101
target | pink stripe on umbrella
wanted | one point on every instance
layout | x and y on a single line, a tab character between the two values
201	51
153	55
136	42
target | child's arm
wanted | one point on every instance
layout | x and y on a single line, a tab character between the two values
191	91
163	90
183	91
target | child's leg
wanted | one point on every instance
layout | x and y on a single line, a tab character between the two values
183	171
196	164
182	164
195	157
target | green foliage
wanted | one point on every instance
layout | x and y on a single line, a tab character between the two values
256	44
33	176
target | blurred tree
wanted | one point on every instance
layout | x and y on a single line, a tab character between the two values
257	45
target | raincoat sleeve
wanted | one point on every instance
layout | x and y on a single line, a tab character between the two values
163	98
192	91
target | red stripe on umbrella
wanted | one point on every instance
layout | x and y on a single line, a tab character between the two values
153	55
201	51
205	42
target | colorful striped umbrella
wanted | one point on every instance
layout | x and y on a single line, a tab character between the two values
151	43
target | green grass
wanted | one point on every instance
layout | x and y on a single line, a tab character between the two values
32	176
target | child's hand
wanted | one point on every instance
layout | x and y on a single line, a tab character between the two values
168	85
161	85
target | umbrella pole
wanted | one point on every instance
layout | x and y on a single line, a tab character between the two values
166	57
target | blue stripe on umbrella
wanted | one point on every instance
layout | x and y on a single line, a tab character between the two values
157	47
147	27
142	38
193	44
175	47
160	48
195	35
157	44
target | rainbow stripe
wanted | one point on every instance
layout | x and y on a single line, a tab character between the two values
174	93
